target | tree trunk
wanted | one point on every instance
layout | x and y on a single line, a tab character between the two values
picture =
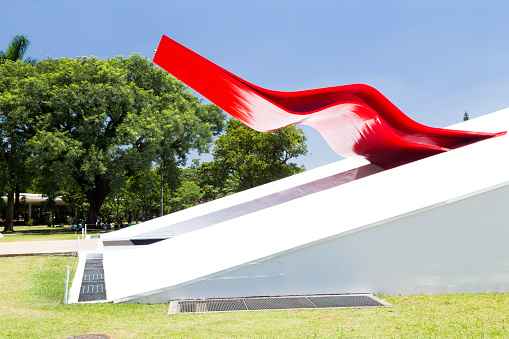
16	202
93	212
9	226
96	199
96	195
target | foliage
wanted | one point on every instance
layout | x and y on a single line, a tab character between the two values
245	158
16	50
99	122
101	133
142	193
187	195
70	192
16	128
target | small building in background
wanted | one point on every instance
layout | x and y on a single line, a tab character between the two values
37	207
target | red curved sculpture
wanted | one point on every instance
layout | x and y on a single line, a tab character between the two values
355	120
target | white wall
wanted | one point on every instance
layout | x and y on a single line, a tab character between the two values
453	248
432	226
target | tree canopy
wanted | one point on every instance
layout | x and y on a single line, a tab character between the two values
16	50
15	126
105	133
266	156
245	158
94	123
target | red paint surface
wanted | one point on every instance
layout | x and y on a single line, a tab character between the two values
355	120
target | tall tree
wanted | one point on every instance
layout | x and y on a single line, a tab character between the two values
142	192
13	131
245	158
102	121
16	50
16	128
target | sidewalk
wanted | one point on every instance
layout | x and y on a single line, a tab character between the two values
55	247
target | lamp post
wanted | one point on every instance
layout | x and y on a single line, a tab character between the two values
162	191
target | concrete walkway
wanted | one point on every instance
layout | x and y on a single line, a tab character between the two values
9	249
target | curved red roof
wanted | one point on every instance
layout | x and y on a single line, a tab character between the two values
355	120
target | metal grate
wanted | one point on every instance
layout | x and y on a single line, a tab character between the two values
93	286
346	301
218	305
93	277
278	303
275	303
92	289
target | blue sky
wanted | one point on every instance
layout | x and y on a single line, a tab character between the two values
433	59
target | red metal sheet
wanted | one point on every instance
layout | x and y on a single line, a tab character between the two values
355	120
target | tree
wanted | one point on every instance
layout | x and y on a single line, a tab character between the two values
465	116
245	158
16	50
185	196
72	195
13	131
16	128
193	189
142	192
99	122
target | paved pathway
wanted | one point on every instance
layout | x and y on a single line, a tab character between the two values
8	249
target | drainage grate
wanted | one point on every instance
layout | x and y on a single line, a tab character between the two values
275	303
220	305
93	287
278	303
93	277
366	300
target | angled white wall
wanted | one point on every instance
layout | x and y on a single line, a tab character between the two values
179	223
438	225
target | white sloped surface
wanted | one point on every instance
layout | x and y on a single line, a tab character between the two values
334	212
141	230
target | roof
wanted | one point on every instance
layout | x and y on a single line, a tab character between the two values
36	199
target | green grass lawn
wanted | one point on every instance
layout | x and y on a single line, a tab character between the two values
40	229
43	233
31	295
41	237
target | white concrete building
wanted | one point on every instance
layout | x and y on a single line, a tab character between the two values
437	225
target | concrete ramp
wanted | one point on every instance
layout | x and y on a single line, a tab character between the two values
437	225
